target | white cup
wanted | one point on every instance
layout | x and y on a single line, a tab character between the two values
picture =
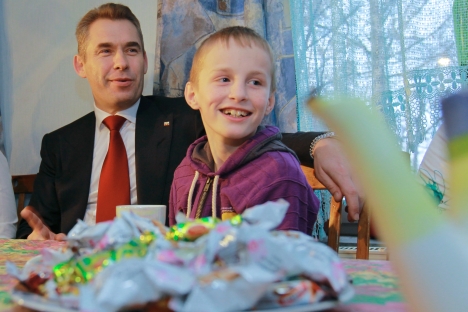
152	212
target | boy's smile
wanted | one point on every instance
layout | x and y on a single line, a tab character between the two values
233	92
236	113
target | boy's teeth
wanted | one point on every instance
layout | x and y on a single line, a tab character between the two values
235	113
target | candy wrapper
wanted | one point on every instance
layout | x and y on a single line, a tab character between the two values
191	230
83	269
140	281
197	265
106	235
299	291
223	290
247	258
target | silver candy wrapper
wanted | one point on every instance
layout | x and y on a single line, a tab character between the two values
109	234
222	291
132	282
235	266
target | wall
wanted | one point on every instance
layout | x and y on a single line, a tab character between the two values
39	89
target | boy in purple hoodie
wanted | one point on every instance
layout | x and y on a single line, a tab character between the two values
238	164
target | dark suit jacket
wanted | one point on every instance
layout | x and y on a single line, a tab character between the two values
62	185
61	188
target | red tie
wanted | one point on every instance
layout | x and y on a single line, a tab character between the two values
114	183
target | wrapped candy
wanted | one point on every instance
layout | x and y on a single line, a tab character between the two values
248	258
191	230
83	269
197	265
298	291
220	291
134	282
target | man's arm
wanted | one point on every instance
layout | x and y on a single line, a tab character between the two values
331	168
44	198
299	142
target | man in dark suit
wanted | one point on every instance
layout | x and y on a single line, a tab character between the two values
156	133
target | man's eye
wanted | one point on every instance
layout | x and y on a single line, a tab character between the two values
133	50
104	51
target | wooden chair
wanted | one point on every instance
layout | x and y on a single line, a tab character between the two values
22	185
334	224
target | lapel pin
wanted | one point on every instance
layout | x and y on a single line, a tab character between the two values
166	123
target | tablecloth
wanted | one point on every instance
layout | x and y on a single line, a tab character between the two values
374	281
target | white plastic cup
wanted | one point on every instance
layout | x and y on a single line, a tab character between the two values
152	212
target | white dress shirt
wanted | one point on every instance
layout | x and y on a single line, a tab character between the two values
101	145
8	216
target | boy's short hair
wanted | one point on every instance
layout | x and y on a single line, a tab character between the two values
244	36
112	11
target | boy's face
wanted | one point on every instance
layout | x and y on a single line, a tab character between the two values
233	91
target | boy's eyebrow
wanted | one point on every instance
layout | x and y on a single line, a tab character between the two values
227	69
256	72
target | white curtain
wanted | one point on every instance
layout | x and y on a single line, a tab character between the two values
399	56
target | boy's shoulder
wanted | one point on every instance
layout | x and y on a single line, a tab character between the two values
278	162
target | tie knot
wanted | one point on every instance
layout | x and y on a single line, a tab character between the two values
114	122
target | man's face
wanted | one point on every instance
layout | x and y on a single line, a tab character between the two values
233	92
115	64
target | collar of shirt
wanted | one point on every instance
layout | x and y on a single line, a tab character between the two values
129	114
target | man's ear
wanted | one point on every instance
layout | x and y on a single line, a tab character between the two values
190	96
145	57
271	103
78	64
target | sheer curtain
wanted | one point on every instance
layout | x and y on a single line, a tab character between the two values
398	55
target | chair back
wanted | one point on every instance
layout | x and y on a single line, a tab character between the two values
22	186
334	223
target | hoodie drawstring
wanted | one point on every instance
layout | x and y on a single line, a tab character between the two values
190	194
206	188
213	197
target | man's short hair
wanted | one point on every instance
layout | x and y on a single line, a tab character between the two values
112	11
244	36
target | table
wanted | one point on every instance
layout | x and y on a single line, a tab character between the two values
375	283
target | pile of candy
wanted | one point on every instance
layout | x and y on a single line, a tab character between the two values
198	265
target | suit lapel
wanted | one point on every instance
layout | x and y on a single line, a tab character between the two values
77	156
153	136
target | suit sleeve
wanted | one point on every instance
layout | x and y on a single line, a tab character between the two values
299	142
44	197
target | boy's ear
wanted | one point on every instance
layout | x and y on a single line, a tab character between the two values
78	64
271	103
190	96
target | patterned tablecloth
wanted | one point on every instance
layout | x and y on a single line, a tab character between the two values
375	284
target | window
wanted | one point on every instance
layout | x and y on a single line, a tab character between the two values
399	56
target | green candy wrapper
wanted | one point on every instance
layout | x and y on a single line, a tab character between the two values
191	230
83	269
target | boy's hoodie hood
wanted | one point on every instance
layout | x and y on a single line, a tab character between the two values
267	138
